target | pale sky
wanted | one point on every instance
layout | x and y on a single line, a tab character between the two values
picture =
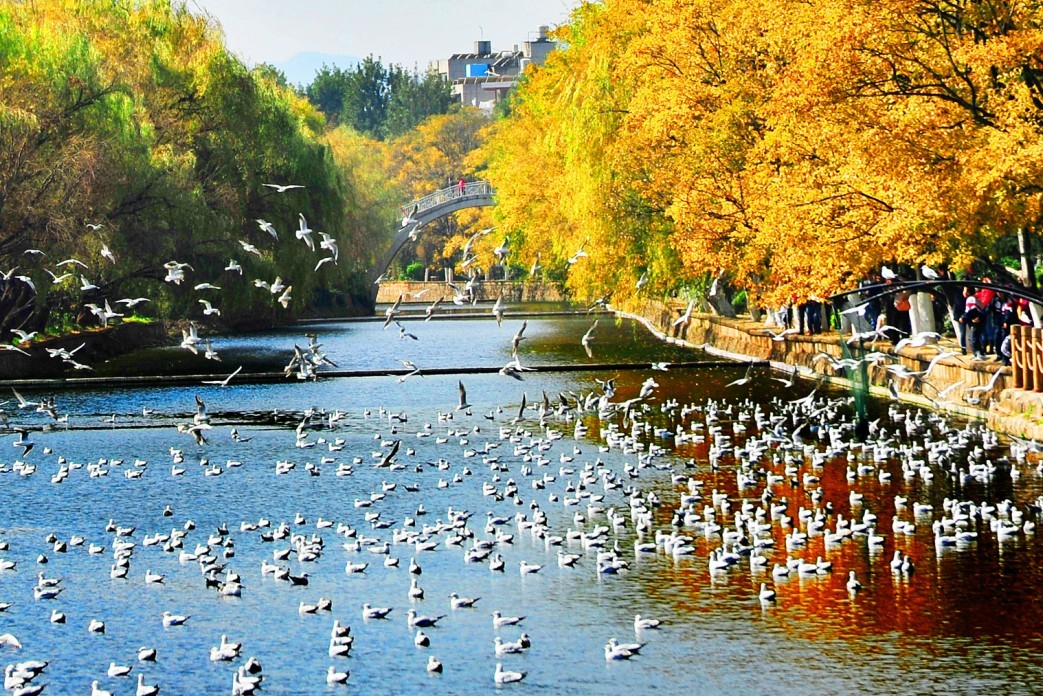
406	32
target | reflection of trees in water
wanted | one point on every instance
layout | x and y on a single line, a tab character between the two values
982	589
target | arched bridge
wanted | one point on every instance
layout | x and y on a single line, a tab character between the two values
476	194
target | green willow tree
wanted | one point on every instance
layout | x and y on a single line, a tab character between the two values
376	100
134	117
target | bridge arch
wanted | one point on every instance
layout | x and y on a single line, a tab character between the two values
474	194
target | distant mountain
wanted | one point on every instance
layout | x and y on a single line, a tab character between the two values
300	68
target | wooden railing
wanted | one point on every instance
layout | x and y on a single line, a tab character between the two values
1026	357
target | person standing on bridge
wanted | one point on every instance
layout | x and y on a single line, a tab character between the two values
460	186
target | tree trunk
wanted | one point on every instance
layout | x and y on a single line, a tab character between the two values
1028	273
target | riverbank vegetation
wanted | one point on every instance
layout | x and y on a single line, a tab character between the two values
790	148
793	146
129	128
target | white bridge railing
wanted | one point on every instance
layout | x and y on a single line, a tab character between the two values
472	189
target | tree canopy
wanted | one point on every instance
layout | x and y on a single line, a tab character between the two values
376	100
794	145
133	118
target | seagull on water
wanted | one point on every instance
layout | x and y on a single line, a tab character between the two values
335	677
457	602
502	676
170	619
146	689
499	621
415	620
643	624
369	612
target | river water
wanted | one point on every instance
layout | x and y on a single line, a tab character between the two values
967	619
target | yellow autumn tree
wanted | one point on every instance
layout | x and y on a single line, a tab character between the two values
563	190
795	146
433	156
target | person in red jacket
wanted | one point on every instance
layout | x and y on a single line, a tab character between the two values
988	327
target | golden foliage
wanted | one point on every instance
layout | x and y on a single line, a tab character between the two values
796	145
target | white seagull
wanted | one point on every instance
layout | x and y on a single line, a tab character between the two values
305	232
268	227
280	188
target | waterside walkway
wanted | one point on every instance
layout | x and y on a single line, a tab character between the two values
973	388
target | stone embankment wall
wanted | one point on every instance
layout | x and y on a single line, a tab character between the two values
513	291
98	345
971	388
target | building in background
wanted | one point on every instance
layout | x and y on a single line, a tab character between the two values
484	77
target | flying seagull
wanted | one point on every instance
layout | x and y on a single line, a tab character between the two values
402	333
588	337
249	247
224	382
279	188
742	380
498	309
580	254
518	338
536	267
390	312
268	227
305	232
463	398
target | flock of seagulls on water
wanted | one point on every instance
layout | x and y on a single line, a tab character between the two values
573	511
550	501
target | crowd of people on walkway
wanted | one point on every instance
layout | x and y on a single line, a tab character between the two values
980	314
